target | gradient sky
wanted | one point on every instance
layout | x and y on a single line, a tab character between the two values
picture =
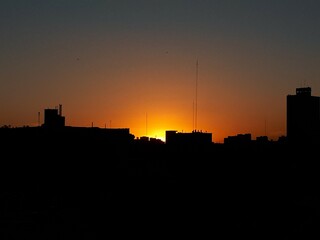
132	63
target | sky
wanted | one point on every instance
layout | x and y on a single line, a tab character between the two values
133	64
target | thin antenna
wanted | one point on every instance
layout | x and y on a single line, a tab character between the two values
197	65
39	119
192	115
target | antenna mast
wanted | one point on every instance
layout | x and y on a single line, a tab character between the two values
195	124
193	115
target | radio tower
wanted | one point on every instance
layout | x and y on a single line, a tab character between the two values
196	107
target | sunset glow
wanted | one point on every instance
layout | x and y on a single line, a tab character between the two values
111	64
141	117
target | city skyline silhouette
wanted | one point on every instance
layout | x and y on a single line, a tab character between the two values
159	119
303	123
110	63
62	181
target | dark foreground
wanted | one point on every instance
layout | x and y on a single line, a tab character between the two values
94	191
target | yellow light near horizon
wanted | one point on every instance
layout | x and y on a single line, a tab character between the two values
158	134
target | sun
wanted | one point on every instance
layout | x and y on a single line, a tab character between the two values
158	134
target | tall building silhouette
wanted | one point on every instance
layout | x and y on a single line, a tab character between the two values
53	118
303	117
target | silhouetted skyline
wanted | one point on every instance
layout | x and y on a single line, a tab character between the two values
60	181
63	180
111	62
303	125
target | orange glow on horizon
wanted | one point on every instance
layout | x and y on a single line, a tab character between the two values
161	85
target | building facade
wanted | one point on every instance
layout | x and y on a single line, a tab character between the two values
303	117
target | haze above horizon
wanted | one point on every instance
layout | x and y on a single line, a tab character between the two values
132	64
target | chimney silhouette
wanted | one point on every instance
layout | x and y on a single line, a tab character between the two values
60	109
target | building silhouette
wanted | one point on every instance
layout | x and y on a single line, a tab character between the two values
54	133
174	137
303	117
238	139
53	118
